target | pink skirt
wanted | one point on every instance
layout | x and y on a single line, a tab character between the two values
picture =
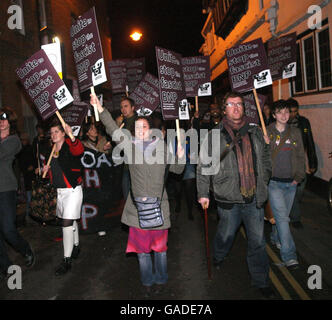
144	241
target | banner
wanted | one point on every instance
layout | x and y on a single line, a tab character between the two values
101	192
251	108
197	76
135	72
248	67
43	85
74	116
281	54
171	83
146	95
87	49
118	75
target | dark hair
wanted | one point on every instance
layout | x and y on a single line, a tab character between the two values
131	101
86	128
292	103
148	119
12	119
232	94
279	105
56	123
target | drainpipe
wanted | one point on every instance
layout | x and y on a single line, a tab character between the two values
272	17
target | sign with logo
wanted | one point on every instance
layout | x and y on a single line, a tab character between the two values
53	51
74	116
118	75
43	84
281	54
251	108
88	53
184	110
197	76
171	82
146	95
248	67
135	72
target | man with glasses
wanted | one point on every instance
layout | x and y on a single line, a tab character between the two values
240	188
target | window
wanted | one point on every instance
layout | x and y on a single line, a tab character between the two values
313	62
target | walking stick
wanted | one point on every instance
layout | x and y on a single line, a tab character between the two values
207	242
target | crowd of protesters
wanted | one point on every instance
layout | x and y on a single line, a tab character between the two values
252	169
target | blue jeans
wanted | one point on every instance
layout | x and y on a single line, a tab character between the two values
281	195
160	275
253	219
8	231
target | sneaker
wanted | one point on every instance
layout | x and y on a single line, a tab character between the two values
101	233
63	267
267	293
76	251
292	264
297	225
277	244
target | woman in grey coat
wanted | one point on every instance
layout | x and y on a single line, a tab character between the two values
147	157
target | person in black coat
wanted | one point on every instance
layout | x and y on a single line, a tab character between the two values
295	120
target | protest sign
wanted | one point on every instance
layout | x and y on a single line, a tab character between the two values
53	51
135	72
281	54
43	85
101	192
171	83
74	116
118	75
88	53
184	110
197	76
248	67
251	107
146	95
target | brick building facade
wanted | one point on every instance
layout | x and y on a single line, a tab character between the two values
42	21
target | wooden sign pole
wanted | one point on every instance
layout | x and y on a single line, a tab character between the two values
196	103
49	160
177	122
260	112
92	89
279	89
64	124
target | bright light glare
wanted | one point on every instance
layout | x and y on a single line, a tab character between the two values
136	36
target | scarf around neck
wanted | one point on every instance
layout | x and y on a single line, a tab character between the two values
244	158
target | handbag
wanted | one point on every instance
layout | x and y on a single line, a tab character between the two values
149	210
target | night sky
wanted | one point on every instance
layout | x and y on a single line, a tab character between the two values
172	24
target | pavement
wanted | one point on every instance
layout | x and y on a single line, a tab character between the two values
104	272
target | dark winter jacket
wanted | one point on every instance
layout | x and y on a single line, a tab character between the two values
225	181
307	138
70	162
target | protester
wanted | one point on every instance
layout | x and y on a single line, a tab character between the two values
267	115
239	181
65	174
10	145
288	170
94	140
303	124
147	183
128	117
26	164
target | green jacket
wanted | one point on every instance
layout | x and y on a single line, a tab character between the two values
225	180
147	180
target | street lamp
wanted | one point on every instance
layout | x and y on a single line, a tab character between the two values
136	36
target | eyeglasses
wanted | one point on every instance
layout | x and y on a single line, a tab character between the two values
4	116
232	104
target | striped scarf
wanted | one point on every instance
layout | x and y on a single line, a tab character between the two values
244	158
